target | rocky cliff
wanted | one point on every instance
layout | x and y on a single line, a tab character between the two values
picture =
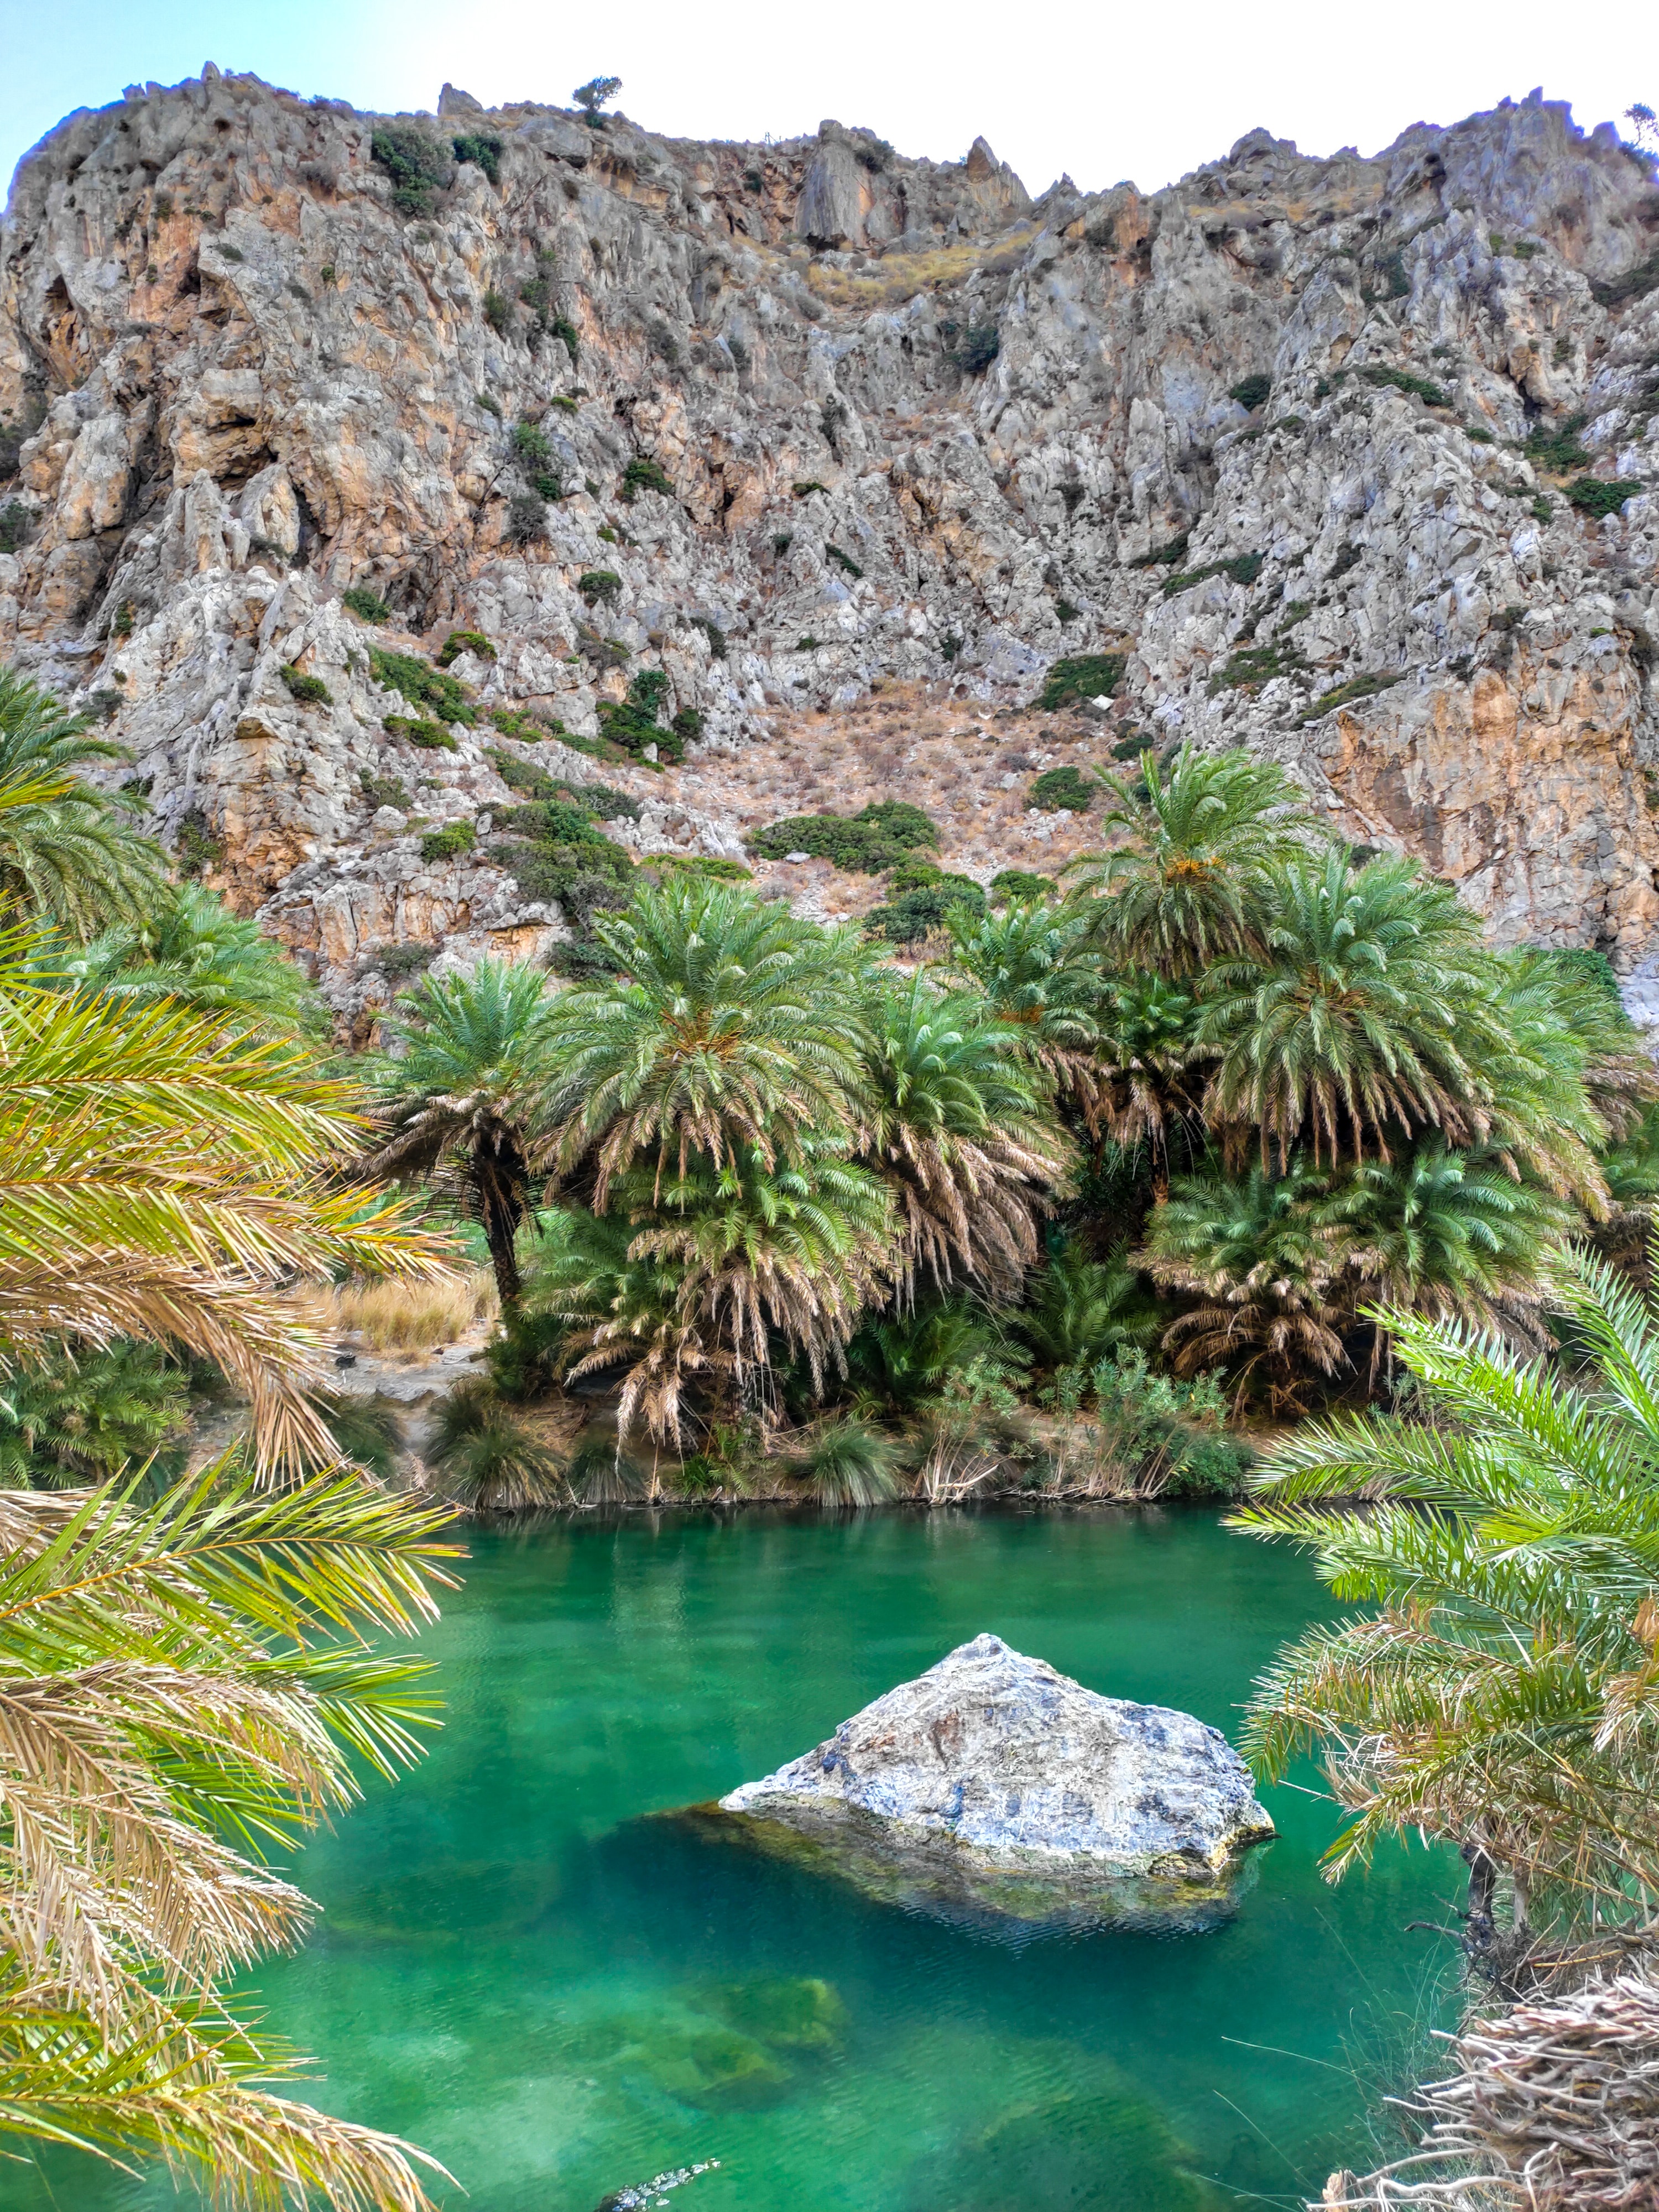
1350	459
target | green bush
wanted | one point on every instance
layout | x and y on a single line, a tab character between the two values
1614	291
1064	787
384	790
712	631
643	474
396	961
416	164
1253	665
600	584
366	604
920	911
1252	392
309	690
1597	496
530	444
876	838
564	329
1358	687
1017	886
1558	449
445	844
422	686
514	722
1164	556
199	849
484	152
809	485
420	730
497	311
842	560
687	725
1243	569
634	725
1402	380
1085	676
465	640
701	863
14	522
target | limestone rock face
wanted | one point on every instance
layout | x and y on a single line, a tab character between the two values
1295	438
995	1774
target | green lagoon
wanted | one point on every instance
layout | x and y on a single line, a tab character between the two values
522	1970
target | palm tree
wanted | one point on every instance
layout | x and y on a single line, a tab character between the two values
163	1180
954	1122
731	1029
1568	1072
69	855
1367	1014
69	1418
1186	887
1505	1695
1078	1311
1444	1233
794	1250
1262	1255
183	1681
1147	1085
899	1363
623	1313
189	947
463	1091
1032	965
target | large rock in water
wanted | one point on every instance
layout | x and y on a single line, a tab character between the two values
995	1782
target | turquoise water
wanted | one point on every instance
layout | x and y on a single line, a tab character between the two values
557	1995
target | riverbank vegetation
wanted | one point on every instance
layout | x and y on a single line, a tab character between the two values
1151	1148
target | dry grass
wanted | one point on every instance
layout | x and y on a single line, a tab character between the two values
396	1316
899	276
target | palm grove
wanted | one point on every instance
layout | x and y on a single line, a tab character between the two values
1234	1115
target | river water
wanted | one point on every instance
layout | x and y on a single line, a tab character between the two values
558	1995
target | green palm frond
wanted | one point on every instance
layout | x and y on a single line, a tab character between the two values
69	855
1507	1695
956	1124
184	1687
1188	886
162	1180
732	1027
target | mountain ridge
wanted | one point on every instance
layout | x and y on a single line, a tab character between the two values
1349	460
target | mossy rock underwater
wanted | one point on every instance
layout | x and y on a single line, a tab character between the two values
704	2063
1106	2151
478	1901
785	2012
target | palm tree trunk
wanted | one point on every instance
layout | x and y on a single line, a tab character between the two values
498	1179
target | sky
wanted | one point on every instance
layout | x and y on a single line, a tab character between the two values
1089	88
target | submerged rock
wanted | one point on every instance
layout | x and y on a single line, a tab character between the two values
994	1781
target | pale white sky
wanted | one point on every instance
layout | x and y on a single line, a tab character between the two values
1104	91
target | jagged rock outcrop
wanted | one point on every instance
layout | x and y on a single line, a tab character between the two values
993	1780
1294	437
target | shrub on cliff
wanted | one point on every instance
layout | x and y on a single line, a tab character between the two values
418	166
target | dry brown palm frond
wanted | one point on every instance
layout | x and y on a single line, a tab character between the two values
161	1180
174	1681
664	1358
1553	2106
